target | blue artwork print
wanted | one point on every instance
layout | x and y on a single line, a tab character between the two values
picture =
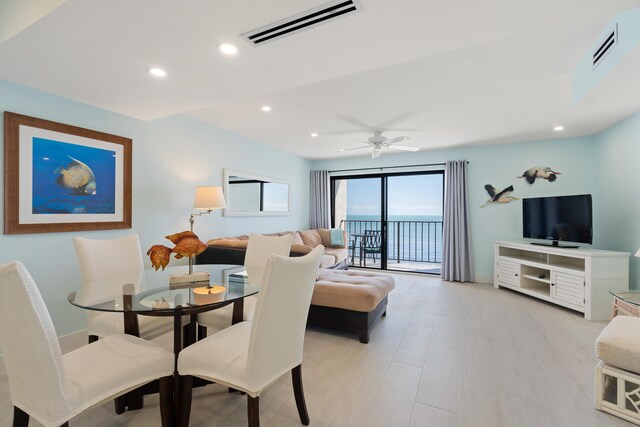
72	179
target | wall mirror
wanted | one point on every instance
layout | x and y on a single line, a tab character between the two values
249	194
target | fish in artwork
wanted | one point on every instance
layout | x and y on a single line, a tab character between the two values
503	196
77	177
547	173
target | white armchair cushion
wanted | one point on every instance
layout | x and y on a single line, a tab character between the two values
221	357
112	366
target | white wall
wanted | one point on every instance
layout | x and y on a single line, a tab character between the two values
499	165
618	186
171	157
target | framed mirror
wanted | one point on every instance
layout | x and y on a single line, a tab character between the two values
249	194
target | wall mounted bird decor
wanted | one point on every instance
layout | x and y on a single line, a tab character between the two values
537	172
503	196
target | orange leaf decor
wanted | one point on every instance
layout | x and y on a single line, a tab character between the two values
175	238
186	244
159	255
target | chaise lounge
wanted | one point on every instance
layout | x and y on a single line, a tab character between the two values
349	301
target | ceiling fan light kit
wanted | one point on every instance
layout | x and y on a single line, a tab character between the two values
377	142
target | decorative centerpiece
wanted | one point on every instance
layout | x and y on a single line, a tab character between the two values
187	245
209	294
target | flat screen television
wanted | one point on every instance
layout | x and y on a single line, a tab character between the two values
559	218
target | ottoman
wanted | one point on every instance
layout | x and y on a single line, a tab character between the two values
350	301
617	379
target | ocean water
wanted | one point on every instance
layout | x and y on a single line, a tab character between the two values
49	197
410	237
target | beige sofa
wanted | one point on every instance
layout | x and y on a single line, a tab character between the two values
230	250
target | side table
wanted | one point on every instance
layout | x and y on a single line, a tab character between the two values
626	303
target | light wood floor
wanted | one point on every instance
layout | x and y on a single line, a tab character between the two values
446	355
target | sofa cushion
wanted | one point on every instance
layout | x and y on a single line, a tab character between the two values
351	290
231	242
311	238
325	235
300	249
339	254
619	343
327	261
297	239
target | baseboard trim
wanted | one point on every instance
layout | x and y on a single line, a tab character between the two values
68	343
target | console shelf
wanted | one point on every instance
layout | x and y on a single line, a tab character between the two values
580	279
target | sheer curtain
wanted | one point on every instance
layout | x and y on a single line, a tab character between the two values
319	200
456	247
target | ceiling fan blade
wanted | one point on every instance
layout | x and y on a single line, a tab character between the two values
356	122
397	139
403	147
355	148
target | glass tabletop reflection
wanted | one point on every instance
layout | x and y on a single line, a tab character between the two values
151	292
631	297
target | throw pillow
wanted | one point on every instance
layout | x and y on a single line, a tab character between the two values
337	238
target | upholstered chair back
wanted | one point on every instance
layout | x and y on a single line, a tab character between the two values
280	317
259	249
30	347
103	258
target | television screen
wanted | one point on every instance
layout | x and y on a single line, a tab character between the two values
566	218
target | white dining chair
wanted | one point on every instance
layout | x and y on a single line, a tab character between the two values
53	388
250	356
259	249
100	259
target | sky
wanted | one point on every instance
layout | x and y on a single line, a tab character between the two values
408	195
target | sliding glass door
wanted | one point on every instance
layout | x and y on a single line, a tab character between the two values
394	220
357	209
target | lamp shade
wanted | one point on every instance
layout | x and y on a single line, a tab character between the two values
638	253
209	198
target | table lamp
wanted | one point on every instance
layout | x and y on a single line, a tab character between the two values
207	200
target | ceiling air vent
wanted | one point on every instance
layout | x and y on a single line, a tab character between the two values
302	21
609	43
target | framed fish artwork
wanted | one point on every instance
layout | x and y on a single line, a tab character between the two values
59	177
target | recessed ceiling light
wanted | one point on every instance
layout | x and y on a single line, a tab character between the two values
227	48
157	72
314	135
558	128
341	150
266	108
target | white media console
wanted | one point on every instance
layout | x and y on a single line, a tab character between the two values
579	279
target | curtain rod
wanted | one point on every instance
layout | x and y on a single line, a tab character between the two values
389	167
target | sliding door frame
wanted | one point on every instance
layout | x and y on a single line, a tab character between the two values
384	208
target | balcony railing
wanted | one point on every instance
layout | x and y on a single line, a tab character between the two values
408	241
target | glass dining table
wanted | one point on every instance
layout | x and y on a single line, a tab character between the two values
170	293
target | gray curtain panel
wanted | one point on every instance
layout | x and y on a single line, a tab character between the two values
456	247
319	200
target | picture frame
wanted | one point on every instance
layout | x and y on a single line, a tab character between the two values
60	178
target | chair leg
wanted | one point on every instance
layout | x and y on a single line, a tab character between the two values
167	406
120	403
20	418
253	411
184	397
298	392
202	332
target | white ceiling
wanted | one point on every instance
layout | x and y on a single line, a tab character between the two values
444	73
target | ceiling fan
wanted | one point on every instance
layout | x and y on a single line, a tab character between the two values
378	142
